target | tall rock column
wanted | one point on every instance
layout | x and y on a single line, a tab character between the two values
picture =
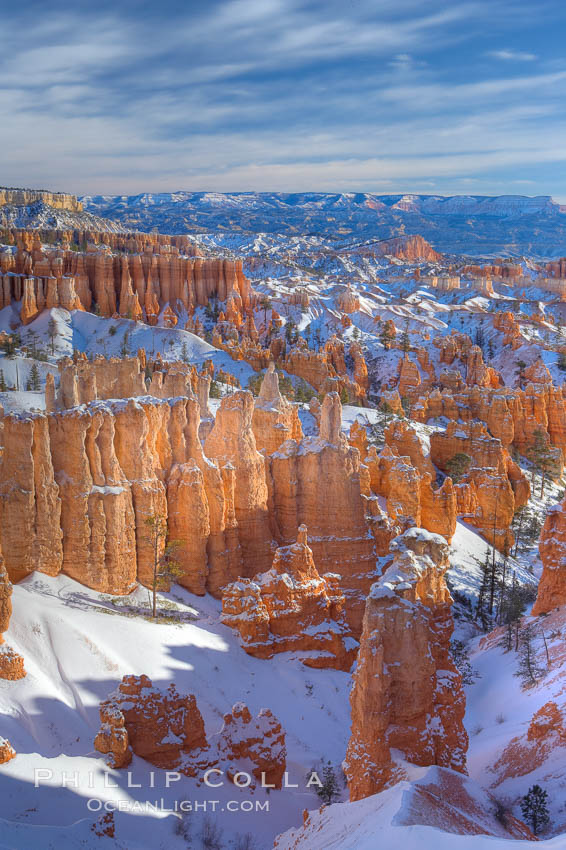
407	694
30	504
318	482
232	441
11	663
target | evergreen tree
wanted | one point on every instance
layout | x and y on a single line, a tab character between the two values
503	580
387	412
534	807
529	668
483	595
521	366
329	790
542	457
34	381
214	390
165	564
125	346
405	342
291	331
344	396
479	336
461	657
2	382
265	303
518	520
512	610
386	336
458	465
52	333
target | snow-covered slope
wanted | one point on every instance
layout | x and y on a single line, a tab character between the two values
77	645
439	810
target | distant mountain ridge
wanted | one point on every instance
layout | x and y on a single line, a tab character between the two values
464	224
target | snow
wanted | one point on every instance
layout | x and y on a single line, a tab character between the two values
77	644
398	816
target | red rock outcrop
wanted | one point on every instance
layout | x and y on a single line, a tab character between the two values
492	489
7	752
546	736
407	485
274	418
552	549
291	608
159	725
407	694
405	441
348	301
166	729
255	741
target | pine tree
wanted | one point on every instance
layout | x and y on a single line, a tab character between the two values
512	610
481	613
542	457
2	382
521	366
461	658
405	342
165	564
329	791
529	668
265	303
458	465
34	381
518	520
534	807
387	412
479	337
386	336
125	346
52	333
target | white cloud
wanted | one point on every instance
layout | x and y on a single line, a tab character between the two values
509	55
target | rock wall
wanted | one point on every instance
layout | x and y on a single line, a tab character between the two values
25	197
132	285
78	487
407	694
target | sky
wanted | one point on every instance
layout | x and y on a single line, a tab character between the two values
380	96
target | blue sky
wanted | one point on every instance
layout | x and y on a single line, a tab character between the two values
282	95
